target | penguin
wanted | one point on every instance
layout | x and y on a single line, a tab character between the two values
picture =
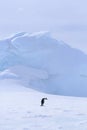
43	100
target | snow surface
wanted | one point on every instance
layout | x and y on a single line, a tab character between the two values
39	62
45	64
20	109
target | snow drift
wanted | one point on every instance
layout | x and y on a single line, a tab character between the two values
45	64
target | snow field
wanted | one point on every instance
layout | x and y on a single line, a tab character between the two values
21	110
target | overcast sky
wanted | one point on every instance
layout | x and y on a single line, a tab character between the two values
65	19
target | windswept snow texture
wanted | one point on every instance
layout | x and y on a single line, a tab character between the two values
20	109
43	63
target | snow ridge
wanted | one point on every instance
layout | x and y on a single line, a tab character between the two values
55	67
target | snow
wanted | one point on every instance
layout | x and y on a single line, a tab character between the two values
20	110
33	66
40	34
54	67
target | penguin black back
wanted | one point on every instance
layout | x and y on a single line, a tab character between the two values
42	101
